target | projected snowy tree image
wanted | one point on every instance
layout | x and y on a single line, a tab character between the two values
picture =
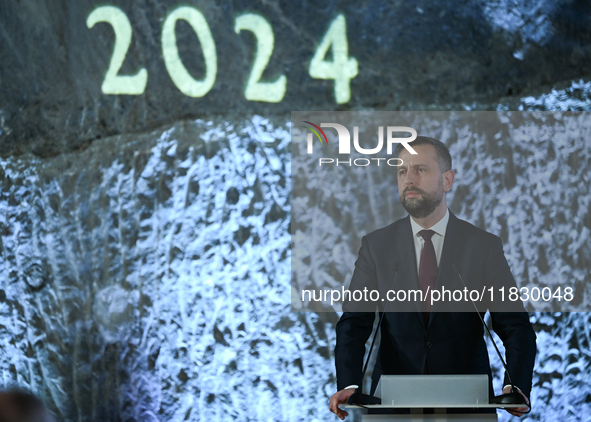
151	207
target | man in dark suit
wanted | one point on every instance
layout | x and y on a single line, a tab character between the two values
427	250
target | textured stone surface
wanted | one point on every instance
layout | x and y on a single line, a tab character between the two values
144	240
411	55
147	278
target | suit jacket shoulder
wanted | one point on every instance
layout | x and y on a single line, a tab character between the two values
388	232
462	227
387	229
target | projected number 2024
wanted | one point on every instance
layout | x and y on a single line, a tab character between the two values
341	68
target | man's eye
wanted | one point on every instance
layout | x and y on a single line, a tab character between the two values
401	172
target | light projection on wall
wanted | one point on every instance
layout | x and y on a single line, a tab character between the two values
177	71
114	83
271	92
341	68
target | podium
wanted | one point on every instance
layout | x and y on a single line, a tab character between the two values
432	398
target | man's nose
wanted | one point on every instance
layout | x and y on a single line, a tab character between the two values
410	178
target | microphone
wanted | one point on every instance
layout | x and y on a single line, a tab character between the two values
358	398
509	398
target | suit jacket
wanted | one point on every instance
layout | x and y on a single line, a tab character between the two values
452	342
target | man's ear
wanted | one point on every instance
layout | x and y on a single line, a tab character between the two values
448	180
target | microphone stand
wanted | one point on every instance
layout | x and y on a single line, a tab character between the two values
358	397
509	398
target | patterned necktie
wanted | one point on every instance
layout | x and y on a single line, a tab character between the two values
427	270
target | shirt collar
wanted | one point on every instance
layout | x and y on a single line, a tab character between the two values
440	227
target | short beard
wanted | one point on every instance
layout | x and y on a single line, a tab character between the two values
424	206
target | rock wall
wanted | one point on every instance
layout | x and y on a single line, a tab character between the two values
144	237
149	280
409	56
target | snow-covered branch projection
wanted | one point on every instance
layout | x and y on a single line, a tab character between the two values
147	277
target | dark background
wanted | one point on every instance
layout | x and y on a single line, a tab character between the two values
411	55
